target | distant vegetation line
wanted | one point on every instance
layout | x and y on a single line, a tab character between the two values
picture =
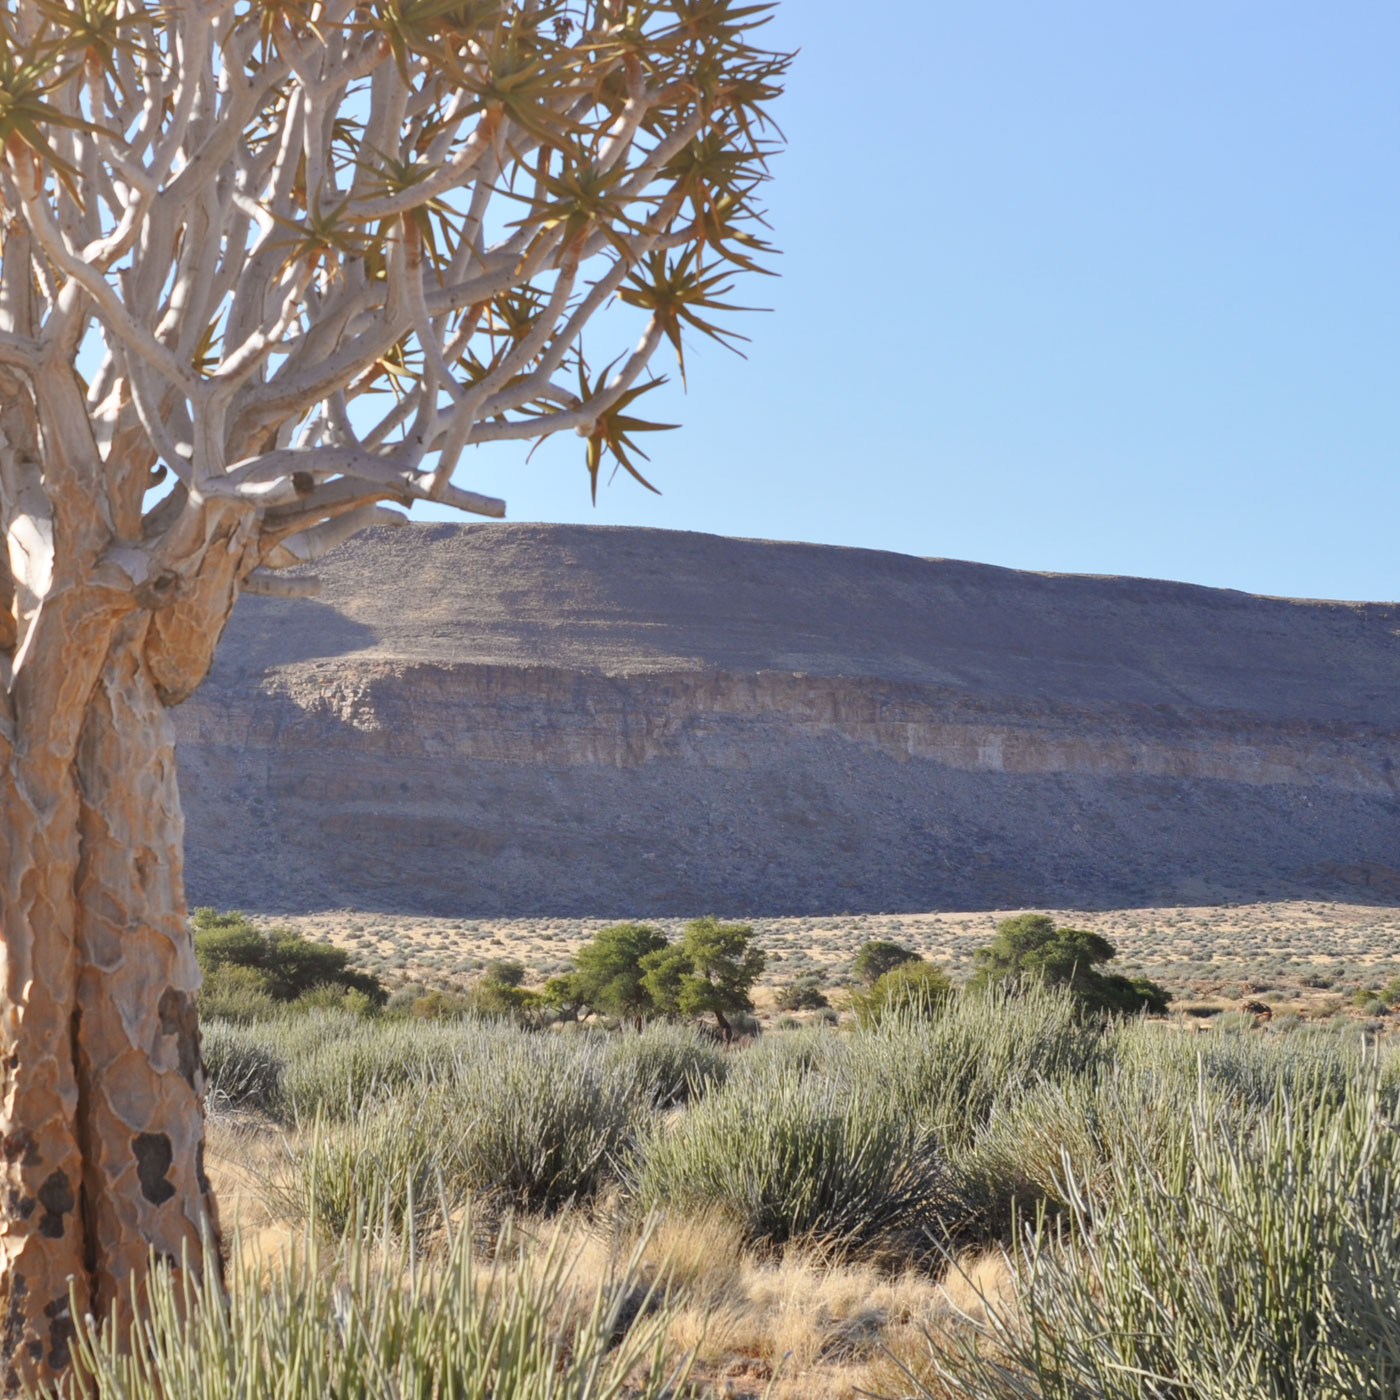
634	972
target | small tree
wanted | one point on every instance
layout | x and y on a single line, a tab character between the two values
608	974
916	990
877	958
711	971
268	268
1029	946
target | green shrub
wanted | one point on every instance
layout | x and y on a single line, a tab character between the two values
878	957
509	972
288	965
794	1156
1056	1143
231	992
437	1004
490	998
329	997
803	994
400	1001
668	1064
541	1120
1029	948
949	1074
813	1049
914	990
1257	1257
324	1063
311	1328
243	1068
379	1171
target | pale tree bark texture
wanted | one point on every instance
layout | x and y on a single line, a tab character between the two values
267	270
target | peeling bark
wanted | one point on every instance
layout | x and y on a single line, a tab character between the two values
68	624
41	1237
140	1075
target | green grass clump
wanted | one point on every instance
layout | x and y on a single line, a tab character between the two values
1192	1216
793	1155
1259	1256
948	1074
323	1063
667	1062
536	1121
514	1330
243	1066
385	1173
542	1120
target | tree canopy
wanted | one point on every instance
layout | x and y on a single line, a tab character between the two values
286	964
709	972
878	957
317	248
1030	946
608	974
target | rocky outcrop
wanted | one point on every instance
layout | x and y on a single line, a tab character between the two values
559	719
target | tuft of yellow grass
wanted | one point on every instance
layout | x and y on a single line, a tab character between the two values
795	1327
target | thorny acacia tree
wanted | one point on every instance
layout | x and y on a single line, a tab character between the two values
268	265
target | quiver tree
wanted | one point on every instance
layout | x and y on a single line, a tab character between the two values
268	268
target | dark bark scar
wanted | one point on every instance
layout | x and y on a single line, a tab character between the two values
56	1197
19	1146
178	1018
61	1332
153	1158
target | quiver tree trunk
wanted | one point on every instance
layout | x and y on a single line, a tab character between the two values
248	221
41	1237
101	1121
139	1072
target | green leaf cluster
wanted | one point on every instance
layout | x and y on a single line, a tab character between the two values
253	968
1029	947
912	990
634	971
878	957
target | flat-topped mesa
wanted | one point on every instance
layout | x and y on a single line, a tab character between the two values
583	720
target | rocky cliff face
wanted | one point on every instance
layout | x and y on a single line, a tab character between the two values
557	719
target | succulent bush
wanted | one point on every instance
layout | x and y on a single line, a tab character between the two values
797	1156
354	1325
1258	1258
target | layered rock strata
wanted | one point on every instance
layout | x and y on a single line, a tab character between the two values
524	719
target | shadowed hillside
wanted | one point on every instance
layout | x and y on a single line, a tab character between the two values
523	719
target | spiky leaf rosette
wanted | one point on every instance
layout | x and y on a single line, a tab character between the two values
317	248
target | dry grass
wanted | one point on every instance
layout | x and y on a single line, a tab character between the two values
796	1327
793	1327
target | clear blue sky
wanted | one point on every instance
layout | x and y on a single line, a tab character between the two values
1092	287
